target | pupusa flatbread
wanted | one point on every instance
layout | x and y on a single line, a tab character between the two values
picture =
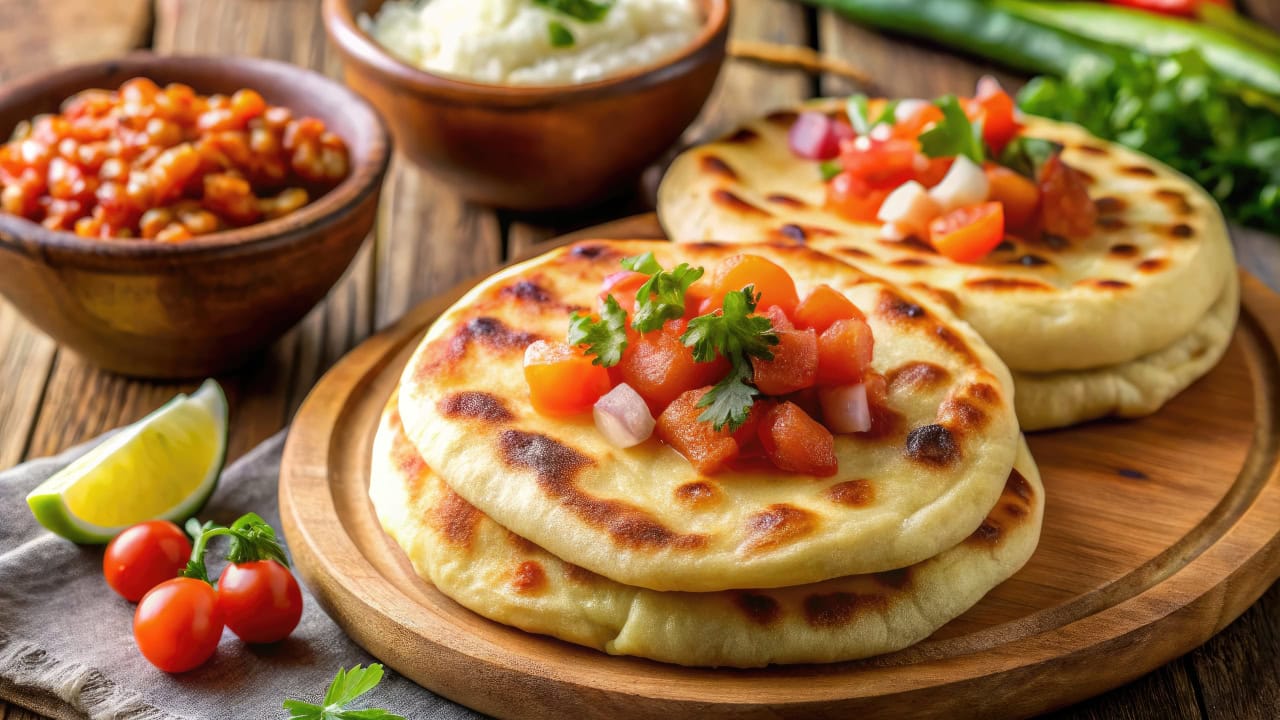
644	516
1151	271
502	576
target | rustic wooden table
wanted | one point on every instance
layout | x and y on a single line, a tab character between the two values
51	399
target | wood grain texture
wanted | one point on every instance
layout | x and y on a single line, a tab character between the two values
1158	532
38	35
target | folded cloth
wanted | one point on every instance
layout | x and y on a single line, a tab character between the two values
66	640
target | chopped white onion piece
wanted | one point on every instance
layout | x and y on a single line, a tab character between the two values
907	109
623	417
894	232
964	184
845	408
881	132
909	207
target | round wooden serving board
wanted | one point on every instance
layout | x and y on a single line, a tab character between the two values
1158	533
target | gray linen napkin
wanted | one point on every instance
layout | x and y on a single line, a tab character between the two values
66	638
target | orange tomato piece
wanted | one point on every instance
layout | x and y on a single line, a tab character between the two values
660	368
771	282
823	306
845	350
623	287
793	367
562	381
995	110
967	234
934	170
1066	210
796	442
1019	196
707	448
855	199
911	127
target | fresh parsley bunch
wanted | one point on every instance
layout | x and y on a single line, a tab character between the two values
1181	111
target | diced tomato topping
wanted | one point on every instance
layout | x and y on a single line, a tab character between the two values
933	170
660	368
911	127
1018	194
995	110
696	302
562	380
771	282
967	234
853	198
796	442
707	448
877	399
793	367
623	287
1066	210
746	435
777	318
845	350
881	163
823	306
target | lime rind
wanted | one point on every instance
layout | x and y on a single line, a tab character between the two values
48	501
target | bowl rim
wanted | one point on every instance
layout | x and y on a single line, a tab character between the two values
358	46
366	175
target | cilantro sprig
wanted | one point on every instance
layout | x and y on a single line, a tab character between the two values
661	297
346	688
737	335
954	134
587	11
858	108
605	338
251	539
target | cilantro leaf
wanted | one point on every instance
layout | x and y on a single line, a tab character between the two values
737	335
1026	155
347	687
856	109
581	10
830	169
642	264
559	35
954	134
661	298
888	116
729	401
605	338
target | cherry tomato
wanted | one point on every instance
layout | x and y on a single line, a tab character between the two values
853	198
771	281
968	233
178	624
260	600
144	556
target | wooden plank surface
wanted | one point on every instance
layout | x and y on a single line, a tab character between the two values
428	239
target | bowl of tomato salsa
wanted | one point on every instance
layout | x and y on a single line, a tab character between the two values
172	216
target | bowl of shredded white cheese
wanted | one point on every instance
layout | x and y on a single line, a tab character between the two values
533	104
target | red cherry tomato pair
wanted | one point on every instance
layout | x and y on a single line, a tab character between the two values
179	619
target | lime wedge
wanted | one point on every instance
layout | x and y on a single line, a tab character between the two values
164	466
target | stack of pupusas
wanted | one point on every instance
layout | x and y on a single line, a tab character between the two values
1104	279
707	454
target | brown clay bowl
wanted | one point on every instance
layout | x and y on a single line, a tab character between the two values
207	305
533	148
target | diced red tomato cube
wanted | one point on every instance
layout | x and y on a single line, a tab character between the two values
777	318
845	350
932	170
796	442
660	368
881	163
707	448
911	127
623	287
855	199
823	306
995	110
1066	210
771	282
562	380
793	367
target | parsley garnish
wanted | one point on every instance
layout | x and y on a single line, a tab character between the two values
251	539
830	169
582	10
859	111
954	134
348	686
561	36
1026	155
661	298
605	338
738	336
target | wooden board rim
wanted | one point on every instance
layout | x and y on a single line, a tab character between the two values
1210	582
